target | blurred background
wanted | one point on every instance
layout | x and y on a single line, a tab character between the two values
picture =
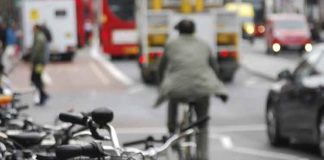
106	52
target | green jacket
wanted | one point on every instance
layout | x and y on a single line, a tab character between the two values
186	70
38	49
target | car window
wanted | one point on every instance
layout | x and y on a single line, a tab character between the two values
290	24
319	66
303	70
313	64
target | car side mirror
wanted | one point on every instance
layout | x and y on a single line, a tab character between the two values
286	74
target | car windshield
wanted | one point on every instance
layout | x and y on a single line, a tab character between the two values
290	24
313	64
317	60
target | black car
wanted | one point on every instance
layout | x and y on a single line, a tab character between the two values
295	104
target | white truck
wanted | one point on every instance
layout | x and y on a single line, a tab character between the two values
218	27
60	19
227	43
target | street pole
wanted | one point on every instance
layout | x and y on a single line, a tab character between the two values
95	47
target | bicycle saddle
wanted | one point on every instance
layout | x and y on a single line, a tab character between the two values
27	139
102	116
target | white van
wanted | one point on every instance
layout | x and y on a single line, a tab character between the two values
60	18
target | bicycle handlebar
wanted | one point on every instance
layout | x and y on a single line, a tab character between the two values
153	151
96	150
72	118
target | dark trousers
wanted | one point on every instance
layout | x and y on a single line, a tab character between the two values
36	78
202	110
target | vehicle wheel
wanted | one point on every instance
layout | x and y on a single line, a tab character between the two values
273	128
146	78
227	79
188	145
321	135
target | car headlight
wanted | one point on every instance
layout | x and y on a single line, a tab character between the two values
276	47
308	47
249	28
261	29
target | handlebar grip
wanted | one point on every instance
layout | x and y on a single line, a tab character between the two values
71	151
72	118
21	108
45	157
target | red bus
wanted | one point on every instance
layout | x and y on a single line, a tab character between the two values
118	30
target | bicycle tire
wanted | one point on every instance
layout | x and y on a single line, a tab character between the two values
187	147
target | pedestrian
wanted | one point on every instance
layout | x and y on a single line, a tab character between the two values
48	36
11	48
186	70
38	53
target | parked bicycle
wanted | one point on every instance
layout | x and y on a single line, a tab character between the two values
100	119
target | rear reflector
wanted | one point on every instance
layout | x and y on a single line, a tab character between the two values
142	59
223	54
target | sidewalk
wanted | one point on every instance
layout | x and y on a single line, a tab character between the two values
263	65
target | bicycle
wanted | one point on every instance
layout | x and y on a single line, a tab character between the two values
187	147
100	119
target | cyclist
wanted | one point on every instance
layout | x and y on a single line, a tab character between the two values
187	70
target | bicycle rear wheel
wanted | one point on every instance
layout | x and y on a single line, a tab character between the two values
187	146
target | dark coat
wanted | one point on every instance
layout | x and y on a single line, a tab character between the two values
3	39
187	71
38	51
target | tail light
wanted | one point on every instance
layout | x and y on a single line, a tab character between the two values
150	58
142	59
260	29
228	54
234	54
223	54
155	55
